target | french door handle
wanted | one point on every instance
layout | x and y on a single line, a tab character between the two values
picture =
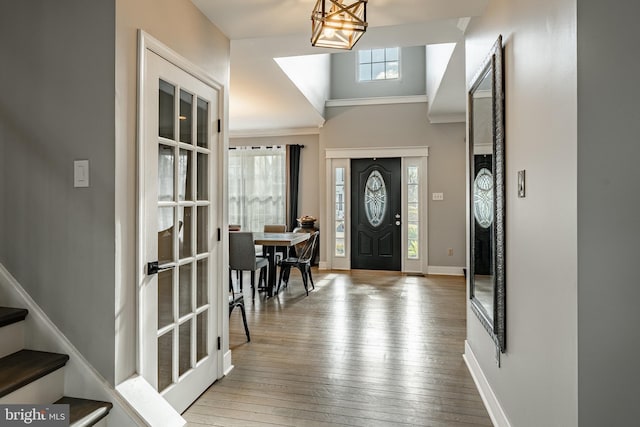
154	268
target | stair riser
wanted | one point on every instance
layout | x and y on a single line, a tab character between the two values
11	338
101	423
40	392
90	420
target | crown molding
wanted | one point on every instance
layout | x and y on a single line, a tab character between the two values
257	133
379	100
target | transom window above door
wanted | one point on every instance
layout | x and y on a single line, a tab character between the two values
379	64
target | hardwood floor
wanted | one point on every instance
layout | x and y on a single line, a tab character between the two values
364	349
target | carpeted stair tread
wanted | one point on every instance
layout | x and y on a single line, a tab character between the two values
85	412
25	366
9	315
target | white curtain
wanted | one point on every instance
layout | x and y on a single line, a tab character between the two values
257	187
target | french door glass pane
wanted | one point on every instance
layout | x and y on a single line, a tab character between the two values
185	290
203	177
165	298
201	350
165	360
184	242
165	235
201	286
165	173
202	234
203	123
184	176
184	360
185	119
165	110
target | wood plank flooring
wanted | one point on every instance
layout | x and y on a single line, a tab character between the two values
364	349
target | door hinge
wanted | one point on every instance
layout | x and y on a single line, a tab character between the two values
219	126
219	234
219	343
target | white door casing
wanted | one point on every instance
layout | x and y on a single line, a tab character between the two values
339	158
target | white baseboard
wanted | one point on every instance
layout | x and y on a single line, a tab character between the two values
323	265
492	404
149	404
226	363
81	379
445	271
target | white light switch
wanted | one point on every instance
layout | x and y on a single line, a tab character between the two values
437	196
81	173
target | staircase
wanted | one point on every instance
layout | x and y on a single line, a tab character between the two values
37	377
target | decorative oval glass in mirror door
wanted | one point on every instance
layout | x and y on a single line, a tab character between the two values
483	198
375	198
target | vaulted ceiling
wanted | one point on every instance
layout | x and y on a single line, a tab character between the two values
264	99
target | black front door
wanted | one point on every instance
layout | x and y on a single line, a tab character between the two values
375	214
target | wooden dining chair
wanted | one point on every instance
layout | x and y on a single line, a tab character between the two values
242	257
302	262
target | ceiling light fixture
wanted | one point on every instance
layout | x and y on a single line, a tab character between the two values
340	26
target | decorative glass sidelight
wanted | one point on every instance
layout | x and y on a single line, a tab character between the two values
483	198
340	250
375	198
413	213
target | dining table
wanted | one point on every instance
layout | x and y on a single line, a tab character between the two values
272	240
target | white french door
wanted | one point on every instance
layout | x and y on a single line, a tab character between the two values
178	216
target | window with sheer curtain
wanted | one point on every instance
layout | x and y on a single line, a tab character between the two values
257	187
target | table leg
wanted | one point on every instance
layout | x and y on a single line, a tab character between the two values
271	281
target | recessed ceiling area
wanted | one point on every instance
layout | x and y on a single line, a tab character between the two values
262	98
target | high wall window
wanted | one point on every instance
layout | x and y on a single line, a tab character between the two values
257	187
379	64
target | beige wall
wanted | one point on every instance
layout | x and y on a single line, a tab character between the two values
406	125
179	25
537	382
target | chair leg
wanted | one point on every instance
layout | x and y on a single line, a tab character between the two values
253	285
310	276
287	273
239	277
244	320
262	279
282	272
303	273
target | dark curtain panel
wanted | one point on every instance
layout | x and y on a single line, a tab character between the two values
294	175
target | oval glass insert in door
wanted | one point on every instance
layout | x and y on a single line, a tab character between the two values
375	198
